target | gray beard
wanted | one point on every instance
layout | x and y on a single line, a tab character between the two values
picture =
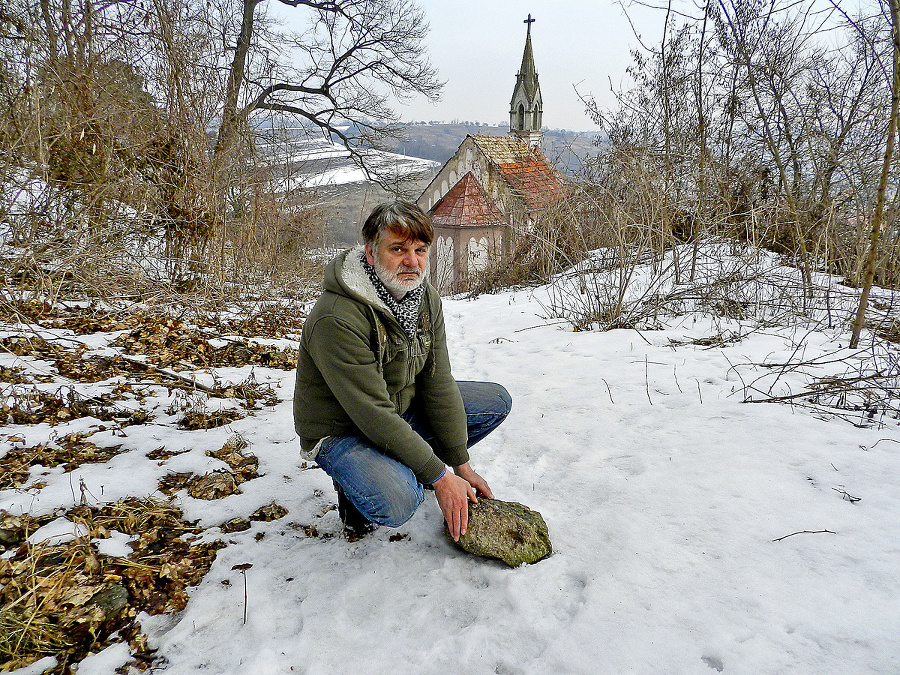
397	288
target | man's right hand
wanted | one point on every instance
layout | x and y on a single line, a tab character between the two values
453	496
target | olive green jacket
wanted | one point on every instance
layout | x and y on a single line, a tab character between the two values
358	371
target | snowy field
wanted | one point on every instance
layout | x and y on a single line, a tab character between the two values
692	532
316	163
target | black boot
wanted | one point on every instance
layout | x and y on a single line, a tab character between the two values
355	524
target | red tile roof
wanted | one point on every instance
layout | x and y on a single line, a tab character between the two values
526	170
464	205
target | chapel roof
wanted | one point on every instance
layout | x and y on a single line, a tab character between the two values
526	170
466	204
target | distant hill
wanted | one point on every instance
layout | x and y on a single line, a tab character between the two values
438	142
304	162
309	165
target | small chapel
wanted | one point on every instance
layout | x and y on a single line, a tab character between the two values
492	187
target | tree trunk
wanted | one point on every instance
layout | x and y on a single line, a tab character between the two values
229	127
877	217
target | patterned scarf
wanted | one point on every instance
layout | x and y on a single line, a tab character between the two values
406	310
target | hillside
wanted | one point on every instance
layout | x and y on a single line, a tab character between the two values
344	193
721	493
339	187
438	142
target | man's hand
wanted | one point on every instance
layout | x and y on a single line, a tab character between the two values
482	489
453	495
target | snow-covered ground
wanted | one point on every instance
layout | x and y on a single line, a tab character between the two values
315	163
692	532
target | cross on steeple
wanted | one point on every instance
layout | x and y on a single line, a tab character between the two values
529	21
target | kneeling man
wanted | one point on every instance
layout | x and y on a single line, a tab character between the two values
375	403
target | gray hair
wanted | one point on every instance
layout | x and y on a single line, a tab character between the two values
405	218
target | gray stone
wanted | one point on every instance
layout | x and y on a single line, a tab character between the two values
506	530
111	600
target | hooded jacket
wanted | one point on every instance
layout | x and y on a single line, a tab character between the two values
358	371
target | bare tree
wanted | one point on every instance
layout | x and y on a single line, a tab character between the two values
342	70
878	213
110	103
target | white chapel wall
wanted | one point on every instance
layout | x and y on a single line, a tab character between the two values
444	279
478	254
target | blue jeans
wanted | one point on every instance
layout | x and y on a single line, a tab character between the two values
386	491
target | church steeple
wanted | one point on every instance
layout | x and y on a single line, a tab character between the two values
526	106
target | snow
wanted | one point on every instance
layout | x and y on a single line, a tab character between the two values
692	532
38	667
57	532
316	163
105	662
116	545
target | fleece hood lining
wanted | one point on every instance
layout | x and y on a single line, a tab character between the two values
354	276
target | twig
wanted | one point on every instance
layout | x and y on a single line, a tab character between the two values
642	337
805	532
540	325
737	372
243	568
647	379
877	442
846	495
838	386
168	373
609	391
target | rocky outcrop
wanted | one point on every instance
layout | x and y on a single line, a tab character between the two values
506	530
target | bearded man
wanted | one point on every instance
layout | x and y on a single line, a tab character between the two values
375	403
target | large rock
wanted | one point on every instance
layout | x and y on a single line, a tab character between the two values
506	530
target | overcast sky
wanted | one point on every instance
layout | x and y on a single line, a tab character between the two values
476	46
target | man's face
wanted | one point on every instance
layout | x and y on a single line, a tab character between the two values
400	263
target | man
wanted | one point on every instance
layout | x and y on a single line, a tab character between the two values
375	403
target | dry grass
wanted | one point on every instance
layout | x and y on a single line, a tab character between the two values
67	600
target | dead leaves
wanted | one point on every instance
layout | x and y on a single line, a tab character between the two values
194	414
266	514
16	375
68	599
217	484
250	391
16	529
269	512
213	485
273	321
196	418
173	344
31	345
26	405
243	466
71	451
173	482
79	319
96	368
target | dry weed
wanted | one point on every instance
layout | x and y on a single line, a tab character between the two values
67	600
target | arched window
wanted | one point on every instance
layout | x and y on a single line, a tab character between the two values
521	124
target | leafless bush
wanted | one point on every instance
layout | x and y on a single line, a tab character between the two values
559	236
108	180
630	286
